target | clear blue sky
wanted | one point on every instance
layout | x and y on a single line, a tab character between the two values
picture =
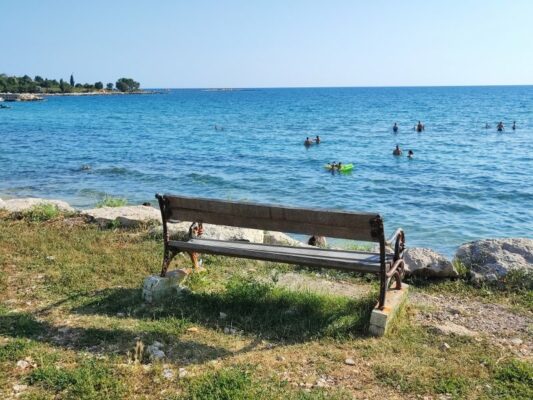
271	43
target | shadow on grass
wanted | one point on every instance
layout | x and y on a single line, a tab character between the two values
98	340
254	308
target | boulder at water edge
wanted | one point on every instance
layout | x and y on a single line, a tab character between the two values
491	259
126	216
21	205
426	262
180	231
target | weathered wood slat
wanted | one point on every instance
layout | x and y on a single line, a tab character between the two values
339	224
346	260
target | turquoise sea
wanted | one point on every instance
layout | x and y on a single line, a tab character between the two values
465	182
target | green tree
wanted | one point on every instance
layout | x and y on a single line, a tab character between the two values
62	85
98	85
71	80
127	85
109	86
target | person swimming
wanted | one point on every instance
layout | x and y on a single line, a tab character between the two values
514	126
308	142
317	139
420	127
395	127
397	151
410	154
487	126
339	166
500	126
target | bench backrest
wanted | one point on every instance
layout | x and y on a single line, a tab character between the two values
338	224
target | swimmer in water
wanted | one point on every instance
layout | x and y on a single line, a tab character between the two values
419	127
500	126
514	126
397	151
339	166
317	139
308	142
410	154
487	126
395	127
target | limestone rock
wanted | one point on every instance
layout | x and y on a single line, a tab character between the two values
426	262
450	328
279	238
127	216
180	231
156	287
490	259
21	205
2	204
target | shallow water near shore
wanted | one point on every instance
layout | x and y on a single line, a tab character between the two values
465	182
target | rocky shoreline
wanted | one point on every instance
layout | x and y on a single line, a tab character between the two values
485	260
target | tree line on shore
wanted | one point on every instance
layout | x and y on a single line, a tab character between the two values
25	84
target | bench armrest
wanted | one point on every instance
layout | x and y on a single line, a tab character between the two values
399	231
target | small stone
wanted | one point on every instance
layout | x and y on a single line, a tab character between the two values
445	346
230	331
158	344
223	315
349	361
192	329
280	358
182	373
19	388
121	314
50	258
23	364
516	341
168	373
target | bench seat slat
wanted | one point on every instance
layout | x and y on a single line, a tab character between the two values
338	259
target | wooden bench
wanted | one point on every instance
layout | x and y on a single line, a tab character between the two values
387	264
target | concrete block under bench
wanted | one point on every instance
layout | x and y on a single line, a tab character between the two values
381	319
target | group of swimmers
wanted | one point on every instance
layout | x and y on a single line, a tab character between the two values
500	127
418	127
398	152
309	142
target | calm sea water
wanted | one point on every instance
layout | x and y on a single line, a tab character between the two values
465	182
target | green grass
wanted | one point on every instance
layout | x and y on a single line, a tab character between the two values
42	212
58	275
89	380
109	201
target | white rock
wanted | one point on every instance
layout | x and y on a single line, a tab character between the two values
21	205
222	315
156	288
180	231
445	346
451	328
279	238
426	262
182	373
158	345
168	373
126	216
155	353
349	361
2	204
490	259
19	388
23	364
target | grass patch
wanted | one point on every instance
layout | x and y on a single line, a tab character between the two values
89	380
41	212
15	349
512	380
109	201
